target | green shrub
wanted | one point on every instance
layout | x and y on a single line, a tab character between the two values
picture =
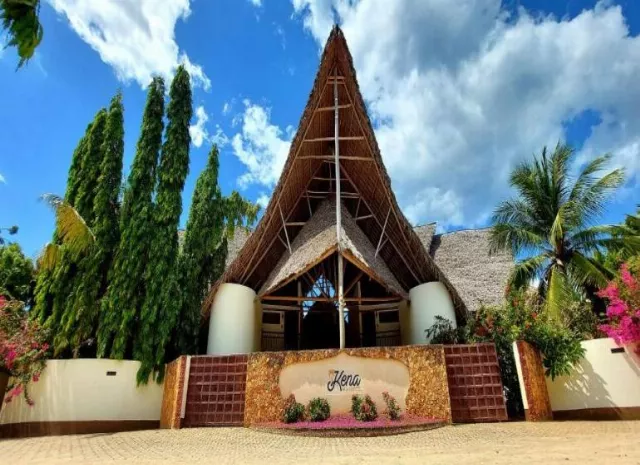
393	409
363	408
318	409
293	411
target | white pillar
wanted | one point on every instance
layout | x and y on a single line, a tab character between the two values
234	321
428	301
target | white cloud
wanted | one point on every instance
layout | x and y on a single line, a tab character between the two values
459	92
256	2
198	131
200	134
261	146
263	200
135	37
280	33
226	108
2	179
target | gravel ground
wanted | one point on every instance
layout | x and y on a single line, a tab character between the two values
503	443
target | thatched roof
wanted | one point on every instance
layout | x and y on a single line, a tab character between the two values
464	258
362	172
425	233
318	238
235	244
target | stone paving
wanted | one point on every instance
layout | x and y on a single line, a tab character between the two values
530	443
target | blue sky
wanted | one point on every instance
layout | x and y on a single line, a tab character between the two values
459	92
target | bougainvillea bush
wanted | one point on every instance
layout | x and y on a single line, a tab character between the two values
363	408
393	409
293	410
23	349
318	409
623	310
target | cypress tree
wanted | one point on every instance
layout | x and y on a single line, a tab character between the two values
161	305
212	218
66	277
120	306
43	296
202	252
83	321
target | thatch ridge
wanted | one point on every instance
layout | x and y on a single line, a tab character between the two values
464	257
318	237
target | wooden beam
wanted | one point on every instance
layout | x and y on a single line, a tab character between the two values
332	108
247	274
288	298
309	205
387	195
377	221
353	282
329	158
364	217
286	308
282	241
382	233
296	223
330	139
284	226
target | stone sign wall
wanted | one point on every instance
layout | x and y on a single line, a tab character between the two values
415	375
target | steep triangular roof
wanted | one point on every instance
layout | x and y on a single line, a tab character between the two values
307	177
318	239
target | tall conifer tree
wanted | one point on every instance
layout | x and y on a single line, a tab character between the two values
66	277
82	323
43	296
120	307
161	305
212	218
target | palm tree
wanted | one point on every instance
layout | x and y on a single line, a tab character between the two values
71	230
551	223
21	21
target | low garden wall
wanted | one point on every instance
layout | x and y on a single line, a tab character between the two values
84	396
605	385
415	375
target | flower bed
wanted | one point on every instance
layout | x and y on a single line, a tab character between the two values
347	425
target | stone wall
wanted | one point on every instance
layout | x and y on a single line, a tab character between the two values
174	385
427	393
533	385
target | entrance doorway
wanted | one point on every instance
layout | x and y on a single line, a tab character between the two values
368	329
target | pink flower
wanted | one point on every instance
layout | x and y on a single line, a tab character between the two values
626	276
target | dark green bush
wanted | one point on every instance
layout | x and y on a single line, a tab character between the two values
363	408
393	409
318	409
293	411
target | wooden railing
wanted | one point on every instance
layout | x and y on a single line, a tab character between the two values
388	338
272	341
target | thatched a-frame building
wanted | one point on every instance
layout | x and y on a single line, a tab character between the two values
313	275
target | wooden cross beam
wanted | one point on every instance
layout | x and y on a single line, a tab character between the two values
382	233
284	226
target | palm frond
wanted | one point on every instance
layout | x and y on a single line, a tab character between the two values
505	236
559	292
73	232
587	271
591	201
49	256
526	271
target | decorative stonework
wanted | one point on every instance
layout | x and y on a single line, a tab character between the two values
174	384
427	395
535	385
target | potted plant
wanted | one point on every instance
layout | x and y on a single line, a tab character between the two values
23	350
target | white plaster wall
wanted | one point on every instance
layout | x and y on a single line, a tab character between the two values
516	354
602	379
80	390
232	325
428	301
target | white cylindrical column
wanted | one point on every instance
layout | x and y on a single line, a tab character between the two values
427	301
233	321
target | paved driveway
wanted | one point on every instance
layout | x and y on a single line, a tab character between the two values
507	443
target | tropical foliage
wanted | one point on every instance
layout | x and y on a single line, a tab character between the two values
10	230
318	409
623	310
363	408
17	275
212	221
114	281
23	348
126	290
20	20
293	411
550	222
